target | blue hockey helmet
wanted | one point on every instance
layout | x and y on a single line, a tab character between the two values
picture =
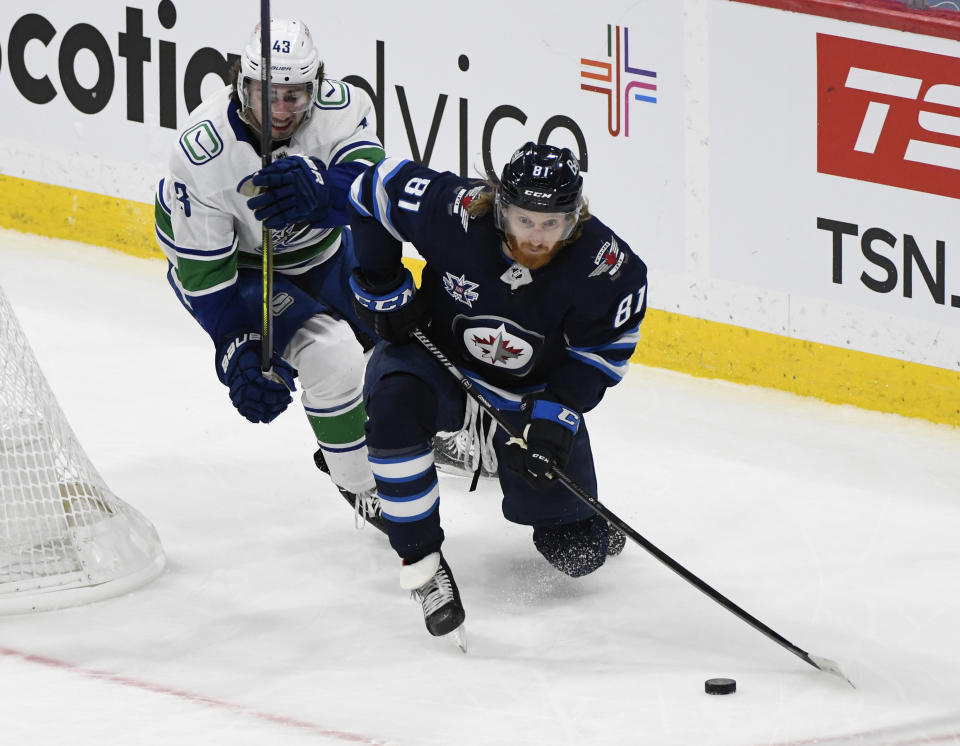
541	178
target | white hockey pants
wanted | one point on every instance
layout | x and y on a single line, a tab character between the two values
330	365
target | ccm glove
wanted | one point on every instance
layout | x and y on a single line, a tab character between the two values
549	435
256	397
291	190
391	310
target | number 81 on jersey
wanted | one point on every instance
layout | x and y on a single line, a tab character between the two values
626	308
415	188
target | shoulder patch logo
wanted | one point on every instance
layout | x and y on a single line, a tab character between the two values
461	289
333	94
462	202
202	143
609	259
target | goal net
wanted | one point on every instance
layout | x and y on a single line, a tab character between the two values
65	538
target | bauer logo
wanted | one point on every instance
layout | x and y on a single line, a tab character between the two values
201	143
621	83
888	115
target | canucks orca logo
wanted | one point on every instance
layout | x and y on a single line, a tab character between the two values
461	289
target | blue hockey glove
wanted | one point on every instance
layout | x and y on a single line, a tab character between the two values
293	190
256	397
549	434
392	309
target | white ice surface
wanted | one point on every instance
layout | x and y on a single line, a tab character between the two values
276	622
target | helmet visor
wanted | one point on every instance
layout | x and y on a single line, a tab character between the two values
525	220
284	99
532	225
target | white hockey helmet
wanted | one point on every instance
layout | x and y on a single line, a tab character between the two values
294	62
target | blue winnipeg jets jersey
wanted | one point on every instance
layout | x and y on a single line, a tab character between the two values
569	327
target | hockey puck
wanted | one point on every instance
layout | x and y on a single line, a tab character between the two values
720	686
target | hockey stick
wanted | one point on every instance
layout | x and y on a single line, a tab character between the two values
823	664
266	150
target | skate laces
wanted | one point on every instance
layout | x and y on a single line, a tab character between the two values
476	440
437	592
366	505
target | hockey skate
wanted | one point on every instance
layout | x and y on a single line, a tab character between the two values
452	455
431	582
366	505
366	508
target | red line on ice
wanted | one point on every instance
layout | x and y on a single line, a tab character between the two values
191	697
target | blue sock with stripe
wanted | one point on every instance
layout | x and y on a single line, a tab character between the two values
409	498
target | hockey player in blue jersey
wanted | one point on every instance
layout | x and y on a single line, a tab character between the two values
209	220
538	303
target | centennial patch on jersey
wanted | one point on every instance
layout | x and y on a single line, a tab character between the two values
202	143
462	202
461	289
609	259
333	94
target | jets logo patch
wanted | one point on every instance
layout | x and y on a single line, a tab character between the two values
497	347
461	289
609	259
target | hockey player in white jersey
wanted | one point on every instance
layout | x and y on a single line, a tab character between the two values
321	130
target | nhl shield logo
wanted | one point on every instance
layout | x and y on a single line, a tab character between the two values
461	289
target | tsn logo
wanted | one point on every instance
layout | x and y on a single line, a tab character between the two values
888	115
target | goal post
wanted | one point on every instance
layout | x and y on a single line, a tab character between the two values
65	538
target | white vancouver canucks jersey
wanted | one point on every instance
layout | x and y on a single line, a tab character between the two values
203	223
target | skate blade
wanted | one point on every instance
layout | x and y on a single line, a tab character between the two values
454	470
460	637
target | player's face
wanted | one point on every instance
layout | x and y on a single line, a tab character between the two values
288	106
533	238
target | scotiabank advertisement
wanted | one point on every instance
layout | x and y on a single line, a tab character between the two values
100	89
835	180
